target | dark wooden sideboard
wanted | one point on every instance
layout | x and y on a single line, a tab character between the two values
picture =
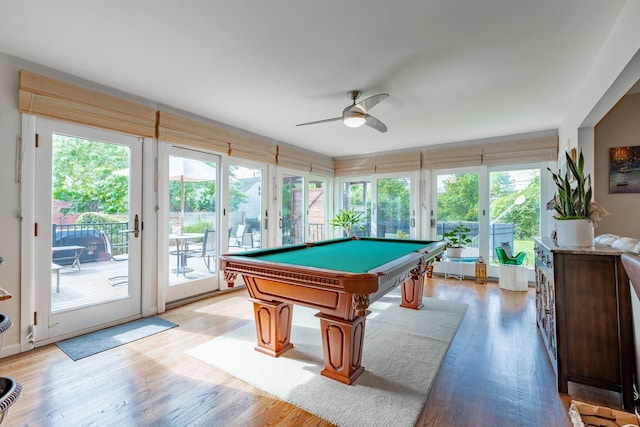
583	311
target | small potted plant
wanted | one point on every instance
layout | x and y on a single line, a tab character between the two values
347	219
456	240
576	214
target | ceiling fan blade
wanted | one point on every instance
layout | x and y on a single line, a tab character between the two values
320	121
375	123
372	101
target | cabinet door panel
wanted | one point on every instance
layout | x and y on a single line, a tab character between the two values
590	317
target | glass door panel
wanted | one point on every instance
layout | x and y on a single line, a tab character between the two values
457	203
87	214
393	208
316	209
192	223
514	211
293	212
357	195
245	201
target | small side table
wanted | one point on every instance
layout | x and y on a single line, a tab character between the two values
453	268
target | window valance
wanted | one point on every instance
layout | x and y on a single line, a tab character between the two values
508	152
46	97
303	160
198	134
378	163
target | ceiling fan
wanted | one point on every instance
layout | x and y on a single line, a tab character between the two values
356	115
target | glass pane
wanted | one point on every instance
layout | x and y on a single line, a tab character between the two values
357	195
394	208
245	208
192	219
457	201
316	210
514	212
292	209
90	211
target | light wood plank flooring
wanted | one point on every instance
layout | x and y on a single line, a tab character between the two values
495	374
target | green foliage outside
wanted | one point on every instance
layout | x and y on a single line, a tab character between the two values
100	218
525	246
526	216
393	200
83	175
359	194
236	196
394	203
198	227
290	184
458	201
198	196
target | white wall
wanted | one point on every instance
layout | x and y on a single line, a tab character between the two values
616	70
10	122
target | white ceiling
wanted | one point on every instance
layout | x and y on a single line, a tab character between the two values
455	70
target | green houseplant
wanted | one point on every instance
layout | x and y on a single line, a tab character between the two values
456	239
347	219
576	214
573	190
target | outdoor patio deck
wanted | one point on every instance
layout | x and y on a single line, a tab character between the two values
90	284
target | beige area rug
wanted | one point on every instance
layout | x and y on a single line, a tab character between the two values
403	351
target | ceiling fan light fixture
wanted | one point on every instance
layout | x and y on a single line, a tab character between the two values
353	119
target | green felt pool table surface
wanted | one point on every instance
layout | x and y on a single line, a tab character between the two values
347	255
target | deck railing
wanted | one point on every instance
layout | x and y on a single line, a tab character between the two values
91	238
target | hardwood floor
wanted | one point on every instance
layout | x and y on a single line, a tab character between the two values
495	374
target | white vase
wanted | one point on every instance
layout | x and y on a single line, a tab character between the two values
574	232
454	252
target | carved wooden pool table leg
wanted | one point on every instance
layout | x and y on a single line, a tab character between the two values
342	342
412	290
273	326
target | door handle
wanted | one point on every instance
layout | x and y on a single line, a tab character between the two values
136	227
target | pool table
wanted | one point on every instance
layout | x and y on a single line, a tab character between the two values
339	278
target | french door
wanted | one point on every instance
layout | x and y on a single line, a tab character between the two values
189	230
88	216
500	205
302	208
245	202
386	204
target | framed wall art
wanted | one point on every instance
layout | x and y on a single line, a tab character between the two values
624	169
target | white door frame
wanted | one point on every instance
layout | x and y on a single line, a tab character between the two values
195	287
32	302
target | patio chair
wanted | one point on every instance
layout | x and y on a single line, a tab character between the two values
108	248
235	240
247	241
207	251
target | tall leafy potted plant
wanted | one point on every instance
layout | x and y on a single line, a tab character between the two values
347	219
576	214
456	239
